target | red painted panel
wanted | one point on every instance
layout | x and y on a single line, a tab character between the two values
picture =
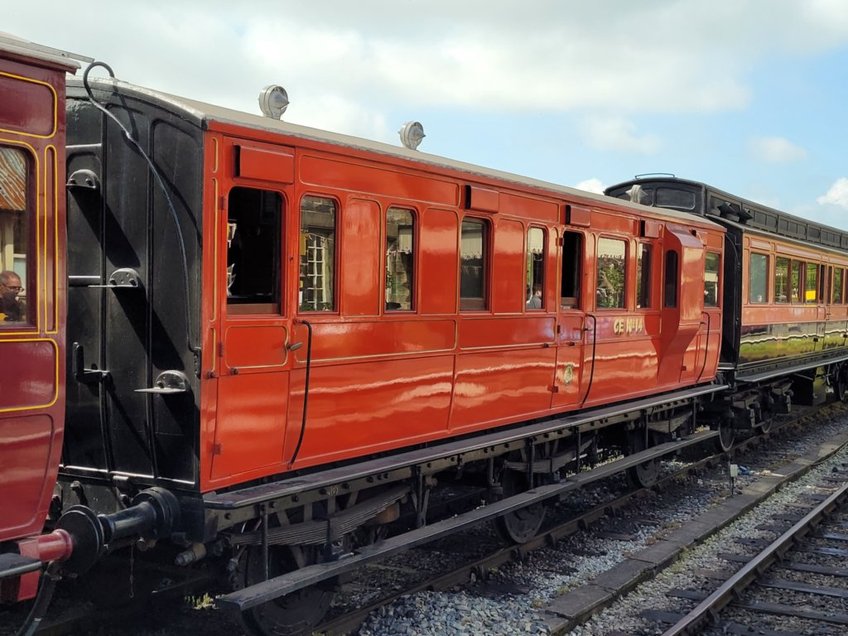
338	341
27	107
623	367
579	216
323	172
251	423
265	164
254	346
651	229
361	250
30	380
493	332
25	458
496	385
508	279
484	199
529	208
439	266
386	405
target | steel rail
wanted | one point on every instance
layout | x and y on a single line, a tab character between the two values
706	611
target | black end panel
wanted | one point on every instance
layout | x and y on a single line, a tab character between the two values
731	328
134	297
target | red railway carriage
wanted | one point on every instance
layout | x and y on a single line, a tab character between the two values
399	281
32	303
270	317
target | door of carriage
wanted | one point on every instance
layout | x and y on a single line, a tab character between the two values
254	338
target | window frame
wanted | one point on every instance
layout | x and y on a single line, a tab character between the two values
671	301
718	283
336	248
815	268
527	261
29	295
644	280
840	287
413	282
787	285
796	290
625	264
469	303
576	258
765	278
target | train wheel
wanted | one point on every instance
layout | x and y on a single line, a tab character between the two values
841	385
296	613
646	474
765	425
521	525
726	434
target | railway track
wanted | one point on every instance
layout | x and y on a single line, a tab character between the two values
740	603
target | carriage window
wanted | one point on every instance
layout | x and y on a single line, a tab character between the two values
824	282
670	280
795	281
811	286
674	198
781	280
535	269
317	254
838	275
15	235
400	259
253	250
757	279
473	264
643	275
572	257
712	265
611	273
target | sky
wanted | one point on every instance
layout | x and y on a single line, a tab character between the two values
746	95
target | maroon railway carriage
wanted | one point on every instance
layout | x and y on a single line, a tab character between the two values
32	305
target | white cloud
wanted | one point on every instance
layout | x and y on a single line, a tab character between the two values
836	195
591	185
776	150
619	134
491	56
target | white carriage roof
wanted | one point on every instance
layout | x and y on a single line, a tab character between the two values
206	114
12	44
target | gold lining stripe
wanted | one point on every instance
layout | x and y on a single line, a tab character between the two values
55	107
55	376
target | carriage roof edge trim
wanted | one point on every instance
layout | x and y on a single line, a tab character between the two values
38	52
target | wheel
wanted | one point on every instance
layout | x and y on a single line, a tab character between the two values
647	473
644	475
841	385
521	525
296	613
765	425
726	434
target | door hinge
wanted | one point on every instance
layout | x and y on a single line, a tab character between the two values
220	349
217	448
554	389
